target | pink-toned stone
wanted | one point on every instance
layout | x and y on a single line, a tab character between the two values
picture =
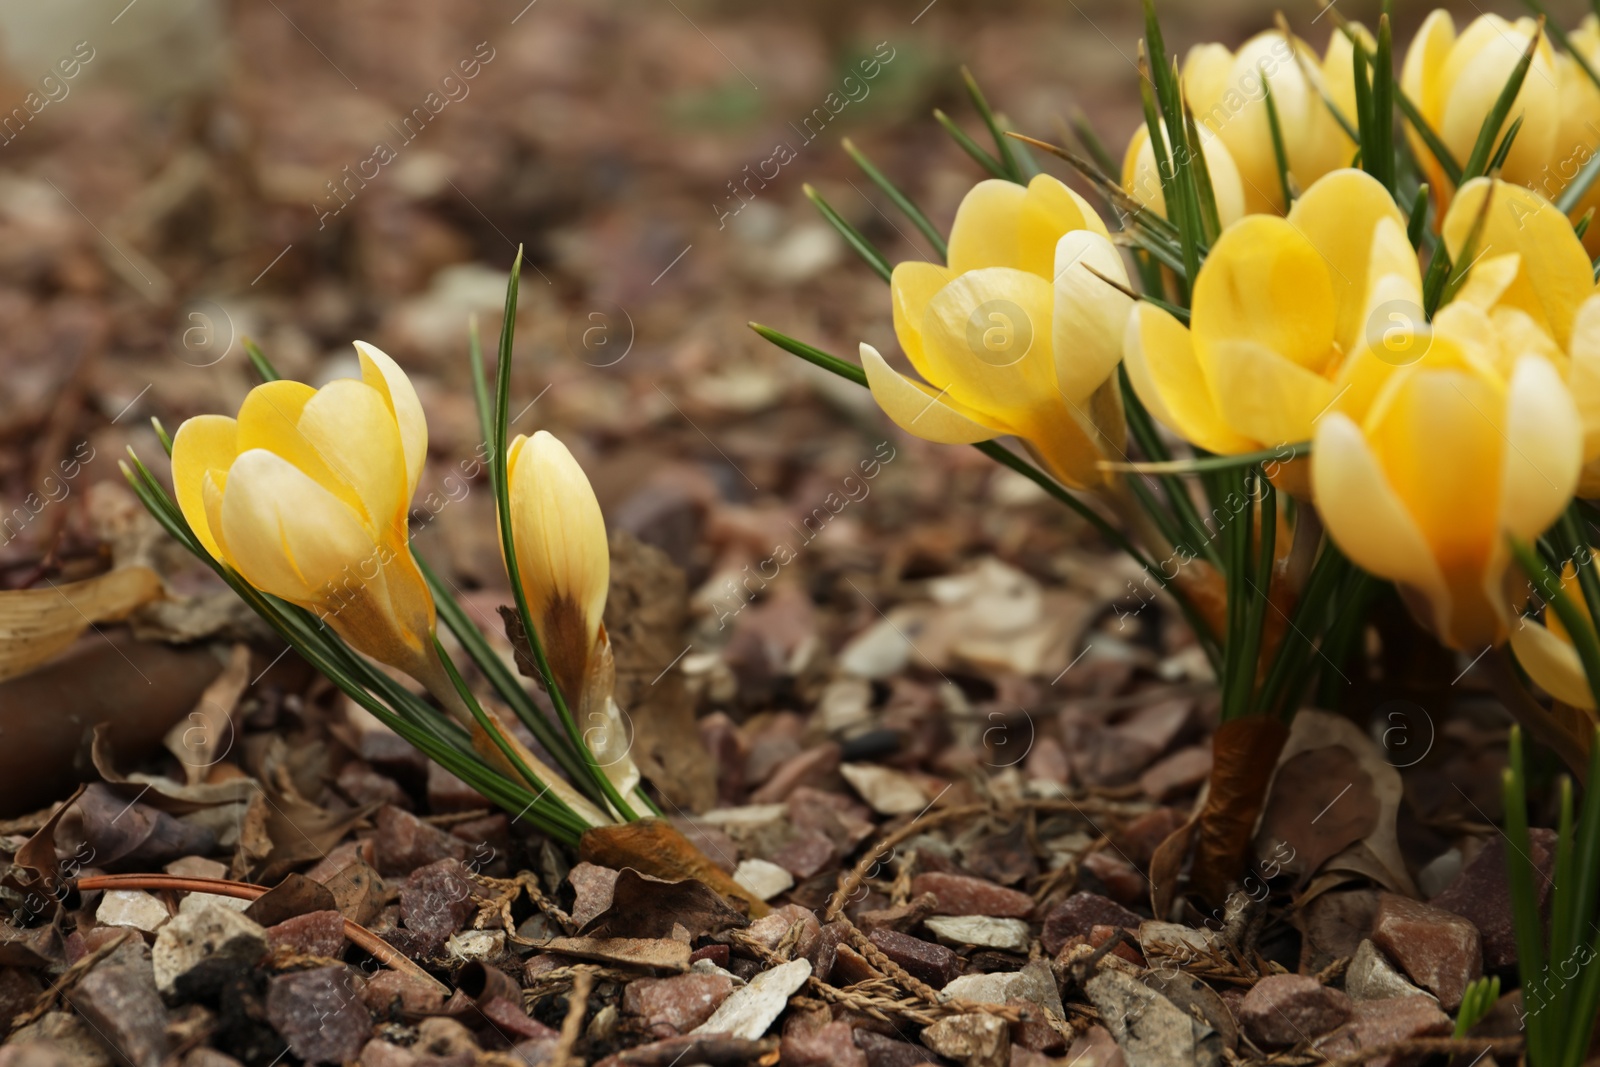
397	993
1078	915
1123	881
316	933
806	855
678	1004
1481	894
1288	1009
1438	949
1379	1022
832	1045
813	767
959	894
592	886
1176	774
404	842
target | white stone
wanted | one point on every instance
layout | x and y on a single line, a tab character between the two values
748	1012
196	902
132	908
984	931
886	790
1034	983
470	945
204	932
971	1040
1371	976
763	878
845	703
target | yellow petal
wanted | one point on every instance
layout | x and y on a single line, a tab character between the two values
1544	449
919	410
1553	663
1479	64
1264	396
203	443
1090	314
1339	216
989	332
984	233
1265	283
289	536
560	538
1159	355
1050	210
1206	78
1488	280
1555	276
1584	375
269	418
1141	180
1425	59
352	429
385	375
911	288
1365	516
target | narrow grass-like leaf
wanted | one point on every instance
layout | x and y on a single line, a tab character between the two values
1477	163
1569	197
259	360
1005	157
502	418
1524	898
1504	150
852	236
1417	224
898	198
995	168
1280	155
1201	465
1092	144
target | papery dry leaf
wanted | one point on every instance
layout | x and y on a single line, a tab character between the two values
133	835
646	616
1166	863
208	733
1243	753
1321	803
1376	853
295	895
657	848
37	856
642	906
35	624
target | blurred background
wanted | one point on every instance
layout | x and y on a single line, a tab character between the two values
176	175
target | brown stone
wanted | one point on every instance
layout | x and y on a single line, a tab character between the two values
320	1013
1440	950
1378	1022
1481	894
884	1051
316	933
1177	774
959	894
924	960
1078	915
813	767
1288	1009
678	1004
404	842
437	900
591	887
832	1045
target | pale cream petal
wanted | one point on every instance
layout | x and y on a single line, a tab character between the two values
350	426
385	375
1090	314
984	233
269	418
1474	75
1365	517
1262	395
920	410
1544	437
1488	280
1419	76
1584	374
289	536
1159	354
1206	72
1553	663
202	444
990	333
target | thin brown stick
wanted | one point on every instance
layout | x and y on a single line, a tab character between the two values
359	935
577	1008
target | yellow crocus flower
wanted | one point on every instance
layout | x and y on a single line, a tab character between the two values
1290	318
1546	652
305	495
1227	91
1142	180
1451	457
1016	335
564	566
1455	79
